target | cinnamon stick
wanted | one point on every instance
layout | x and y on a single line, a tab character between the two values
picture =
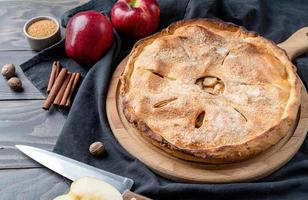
55	88
53	75
58	68
62	90
67	90
76	80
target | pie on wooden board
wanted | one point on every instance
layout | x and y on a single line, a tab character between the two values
210	91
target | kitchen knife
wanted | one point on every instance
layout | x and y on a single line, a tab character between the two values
73	170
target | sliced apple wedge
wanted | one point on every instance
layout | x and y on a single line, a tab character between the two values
92	188
88	188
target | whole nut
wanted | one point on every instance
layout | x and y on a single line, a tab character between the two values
97	149
8	70
14	83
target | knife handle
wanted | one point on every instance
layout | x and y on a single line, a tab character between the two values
129	195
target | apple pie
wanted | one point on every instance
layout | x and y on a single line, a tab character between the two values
210	91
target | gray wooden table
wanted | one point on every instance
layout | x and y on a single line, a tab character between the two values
22	120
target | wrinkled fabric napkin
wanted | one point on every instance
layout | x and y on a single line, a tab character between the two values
87	121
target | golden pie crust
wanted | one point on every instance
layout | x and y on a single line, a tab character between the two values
210	91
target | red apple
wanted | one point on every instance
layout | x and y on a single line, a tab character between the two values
88	36
135	18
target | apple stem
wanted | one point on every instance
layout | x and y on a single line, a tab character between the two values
134	3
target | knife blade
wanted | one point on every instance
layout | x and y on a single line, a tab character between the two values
73	169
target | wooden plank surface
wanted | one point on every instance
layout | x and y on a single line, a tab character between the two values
14	14
22	121
29	91
31	184
25	122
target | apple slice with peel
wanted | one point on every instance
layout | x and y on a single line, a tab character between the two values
65	197
91	188
87	188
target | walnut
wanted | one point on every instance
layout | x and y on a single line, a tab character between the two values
8	70
15	83
97	149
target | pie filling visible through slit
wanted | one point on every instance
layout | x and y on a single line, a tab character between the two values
210	91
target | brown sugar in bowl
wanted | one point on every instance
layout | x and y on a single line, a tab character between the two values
42	28
41	32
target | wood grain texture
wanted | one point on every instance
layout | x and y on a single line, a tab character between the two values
128	195
25	122
296	44
29	90
14	14
181	170
31	184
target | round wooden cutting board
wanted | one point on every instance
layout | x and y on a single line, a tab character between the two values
186	171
